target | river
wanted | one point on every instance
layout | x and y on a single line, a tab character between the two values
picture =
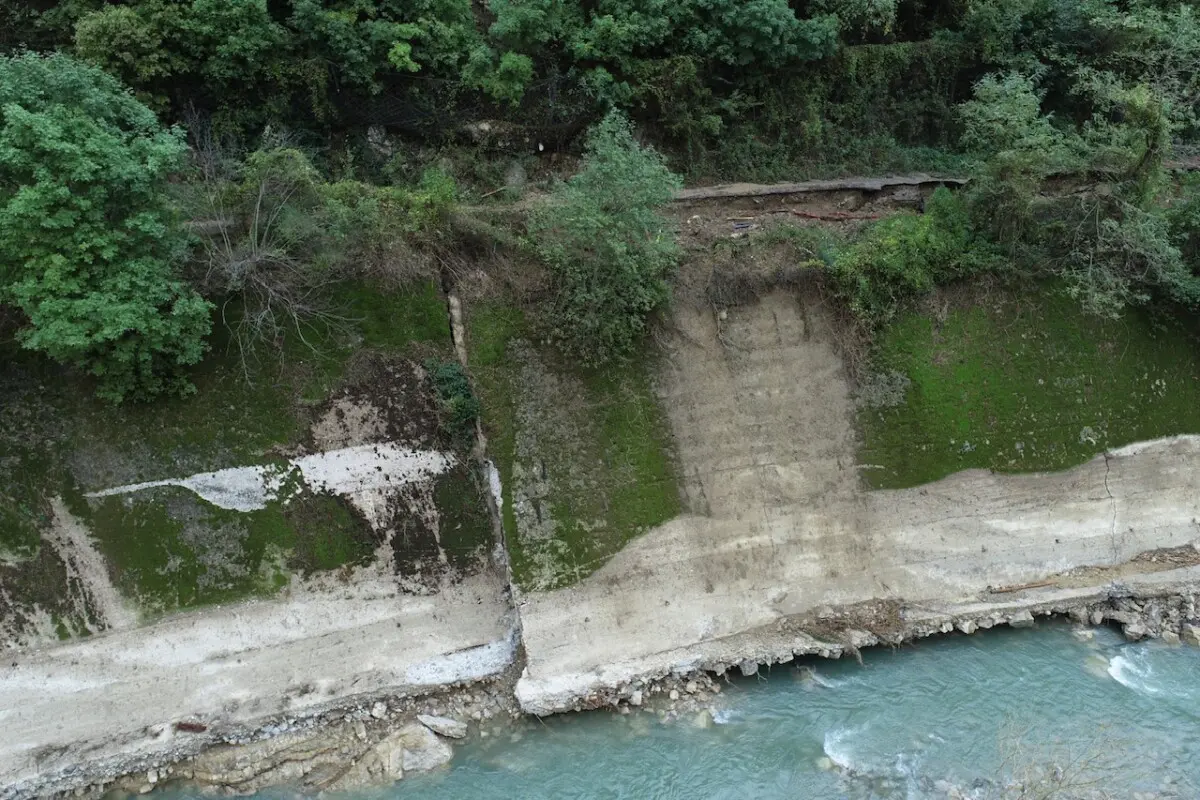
950	716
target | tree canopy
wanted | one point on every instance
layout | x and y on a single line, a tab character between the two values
88	242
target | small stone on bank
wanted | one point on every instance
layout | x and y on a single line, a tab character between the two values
1022	619
379	710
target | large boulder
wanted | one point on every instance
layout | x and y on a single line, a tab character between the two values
423	750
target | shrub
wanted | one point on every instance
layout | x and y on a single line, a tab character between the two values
606	244
1183	217
457	403
1018	148
905	256
290	235
1122	255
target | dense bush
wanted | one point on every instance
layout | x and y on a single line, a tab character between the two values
1183	217
1017	147
457	402
89	242
609	249
908	255
1114	244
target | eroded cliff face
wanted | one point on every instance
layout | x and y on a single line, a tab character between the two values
782	532
368	552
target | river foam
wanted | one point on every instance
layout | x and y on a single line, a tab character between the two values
1131	669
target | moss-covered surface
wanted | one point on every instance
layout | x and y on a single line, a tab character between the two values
584	456
1026	381
464	523
167	548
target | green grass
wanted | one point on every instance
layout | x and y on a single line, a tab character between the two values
599	437
167	548
1027	382
490	329
392	320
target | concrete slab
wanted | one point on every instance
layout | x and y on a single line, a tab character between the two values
113	698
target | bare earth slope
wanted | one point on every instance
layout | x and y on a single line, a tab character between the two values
780	528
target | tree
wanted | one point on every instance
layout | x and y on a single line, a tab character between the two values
608	247
88	239
1018	148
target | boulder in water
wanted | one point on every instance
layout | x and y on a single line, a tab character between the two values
421	747
1134	631
1021	619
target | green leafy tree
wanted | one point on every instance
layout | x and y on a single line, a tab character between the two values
1017	148
608	246
88	240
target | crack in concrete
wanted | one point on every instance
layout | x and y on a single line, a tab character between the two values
1112	533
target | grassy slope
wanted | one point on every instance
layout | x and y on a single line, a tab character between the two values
1027	382
167	547
614	478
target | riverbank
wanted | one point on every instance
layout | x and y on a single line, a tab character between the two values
743	414
376	743
1045	710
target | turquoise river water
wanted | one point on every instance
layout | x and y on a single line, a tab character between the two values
951	716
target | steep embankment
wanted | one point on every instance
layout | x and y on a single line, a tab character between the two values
705	506
235	566
782	537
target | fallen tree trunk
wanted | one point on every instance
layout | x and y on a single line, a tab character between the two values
838	185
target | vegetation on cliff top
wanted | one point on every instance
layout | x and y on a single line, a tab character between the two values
188	176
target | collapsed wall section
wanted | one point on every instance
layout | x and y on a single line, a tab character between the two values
779	530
